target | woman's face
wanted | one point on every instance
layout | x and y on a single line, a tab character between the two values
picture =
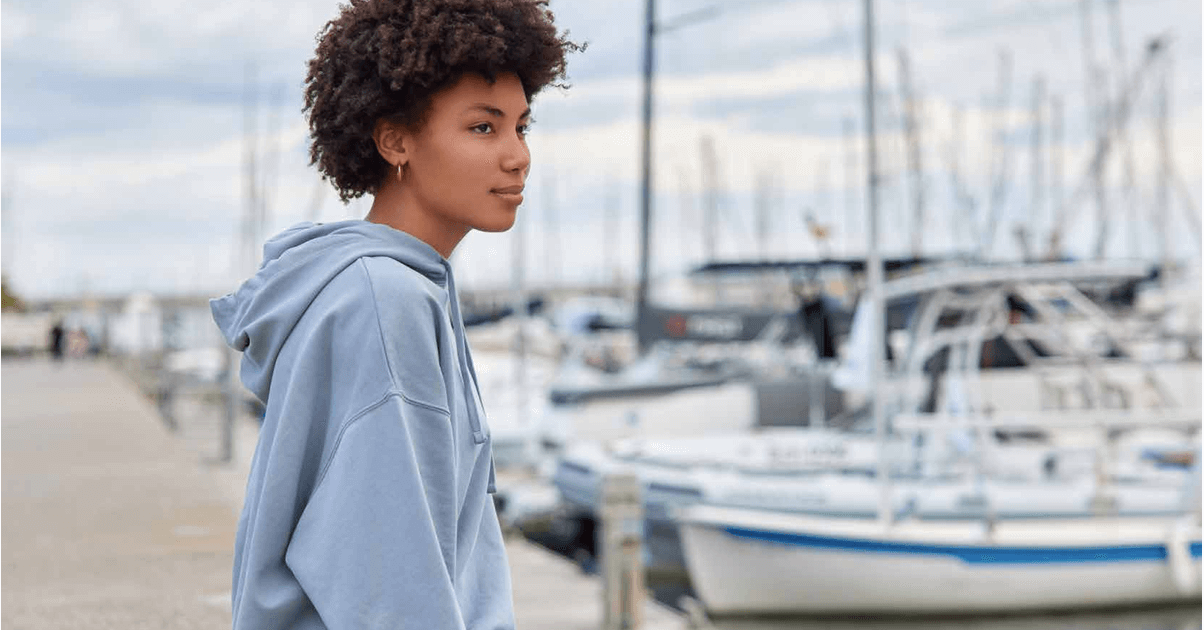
465	168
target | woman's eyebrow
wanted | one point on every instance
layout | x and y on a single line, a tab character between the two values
493	111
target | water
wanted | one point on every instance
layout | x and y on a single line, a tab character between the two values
1167	617
674	590
1164	618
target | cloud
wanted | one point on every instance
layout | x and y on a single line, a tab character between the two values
131	38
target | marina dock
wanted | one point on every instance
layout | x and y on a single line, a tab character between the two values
109	522
113	521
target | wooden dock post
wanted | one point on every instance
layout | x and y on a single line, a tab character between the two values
622	553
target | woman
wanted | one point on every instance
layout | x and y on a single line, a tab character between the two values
368	500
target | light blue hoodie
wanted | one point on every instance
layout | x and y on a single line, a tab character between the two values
368	500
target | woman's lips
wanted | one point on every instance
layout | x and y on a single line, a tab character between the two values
512	194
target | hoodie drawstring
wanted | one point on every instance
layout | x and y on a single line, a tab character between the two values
468	374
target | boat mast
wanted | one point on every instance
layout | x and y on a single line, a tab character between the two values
551	250
6	219
613	276
850	183
962	219
1121	111
641	300
686	216
710	216
822	230
874	270
269	175
1162	118
761	192
915	167
244	257
1057	172
1102	118
651	29
1120	69
1024	231
1001	153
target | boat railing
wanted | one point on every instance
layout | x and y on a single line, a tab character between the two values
1110	423
1187	419
957	277
1041	315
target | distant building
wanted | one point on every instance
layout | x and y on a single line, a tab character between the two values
9	303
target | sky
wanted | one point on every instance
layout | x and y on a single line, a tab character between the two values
123	135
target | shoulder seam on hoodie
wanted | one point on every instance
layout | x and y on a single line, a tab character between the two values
338	440
394	382
384	347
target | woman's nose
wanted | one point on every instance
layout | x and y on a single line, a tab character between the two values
517	157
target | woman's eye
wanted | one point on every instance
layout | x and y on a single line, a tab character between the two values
525	128
483	128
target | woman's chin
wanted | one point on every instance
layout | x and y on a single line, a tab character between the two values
496	224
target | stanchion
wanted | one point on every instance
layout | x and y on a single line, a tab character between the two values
233	390
622	553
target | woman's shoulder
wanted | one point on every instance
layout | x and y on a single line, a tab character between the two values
393	307
399	290
379	293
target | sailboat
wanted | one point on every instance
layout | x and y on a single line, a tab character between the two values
979	533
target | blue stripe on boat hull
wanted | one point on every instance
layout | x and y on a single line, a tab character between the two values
968	553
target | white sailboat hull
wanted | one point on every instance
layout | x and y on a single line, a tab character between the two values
744	562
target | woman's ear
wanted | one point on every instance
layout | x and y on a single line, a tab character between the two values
391	142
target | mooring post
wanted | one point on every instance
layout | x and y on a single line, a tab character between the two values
622	553
166	399
817	402
232	390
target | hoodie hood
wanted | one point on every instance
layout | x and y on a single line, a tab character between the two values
297	264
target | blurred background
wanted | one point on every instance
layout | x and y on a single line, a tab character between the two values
1038	178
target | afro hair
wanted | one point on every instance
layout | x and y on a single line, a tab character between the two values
386	58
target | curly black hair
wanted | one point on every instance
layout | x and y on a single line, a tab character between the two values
386	58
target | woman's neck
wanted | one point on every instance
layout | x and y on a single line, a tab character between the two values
395	207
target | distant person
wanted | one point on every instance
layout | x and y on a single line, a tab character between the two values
815	316
368	503
58	340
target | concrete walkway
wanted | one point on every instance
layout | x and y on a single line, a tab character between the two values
111	521
108	521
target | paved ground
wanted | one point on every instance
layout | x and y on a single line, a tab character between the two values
112	521
109	522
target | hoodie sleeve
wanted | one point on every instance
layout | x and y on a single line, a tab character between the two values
375	544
